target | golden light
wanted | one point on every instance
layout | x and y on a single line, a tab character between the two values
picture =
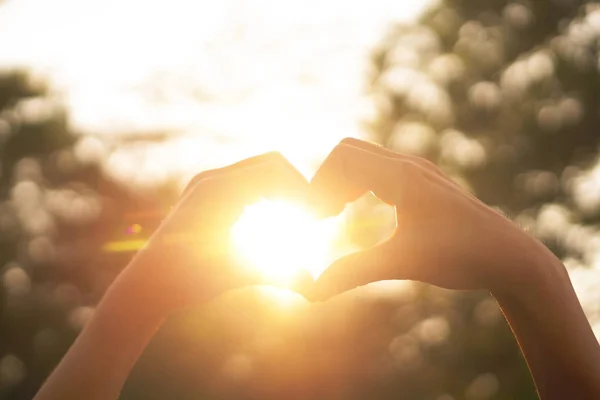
281	239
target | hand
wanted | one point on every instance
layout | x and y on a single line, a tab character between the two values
444	235
189	258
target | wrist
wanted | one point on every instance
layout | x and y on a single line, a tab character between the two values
525	268
535	283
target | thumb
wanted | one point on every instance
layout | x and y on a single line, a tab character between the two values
356	269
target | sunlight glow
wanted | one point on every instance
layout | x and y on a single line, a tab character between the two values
281	239
231	78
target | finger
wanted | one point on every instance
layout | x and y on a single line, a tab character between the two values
436	173
350	171
271	179
221	198
354	270
272	156
375	148
378	149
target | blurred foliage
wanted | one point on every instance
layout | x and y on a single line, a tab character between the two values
502	95
56	209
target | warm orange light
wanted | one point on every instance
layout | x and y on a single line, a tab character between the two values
280	239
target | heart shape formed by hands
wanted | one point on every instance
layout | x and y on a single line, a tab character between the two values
444	236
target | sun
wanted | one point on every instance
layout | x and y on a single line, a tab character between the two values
281	239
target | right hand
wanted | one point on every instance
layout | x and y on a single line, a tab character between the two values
444	235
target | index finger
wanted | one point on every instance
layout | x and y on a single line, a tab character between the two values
349	171
273	156
220	197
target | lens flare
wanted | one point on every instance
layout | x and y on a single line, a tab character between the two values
281	239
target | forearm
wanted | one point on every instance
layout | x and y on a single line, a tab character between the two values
551	328
98	363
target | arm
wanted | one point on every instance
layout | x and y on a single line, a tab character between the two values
554	335
185	262
101	358
446	237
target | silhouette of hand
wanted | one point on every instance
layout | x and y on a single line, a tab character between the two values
189	259
444	235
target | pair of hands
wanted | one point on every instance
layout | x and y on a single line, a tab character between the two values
444	235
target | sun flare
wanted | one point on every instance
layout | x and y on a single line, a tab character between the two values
281	239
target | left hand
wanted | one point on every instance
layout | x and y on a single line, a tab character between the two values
189	259
444	235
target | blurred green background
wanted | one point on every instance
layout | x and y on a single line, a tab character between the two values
502	95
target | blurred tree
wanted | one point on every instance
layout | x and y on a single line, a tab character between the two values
56	210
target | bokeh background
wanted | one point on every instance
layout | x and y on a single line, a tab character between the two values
107	108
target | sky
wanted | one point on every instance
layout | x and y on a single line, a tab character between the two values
229	78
